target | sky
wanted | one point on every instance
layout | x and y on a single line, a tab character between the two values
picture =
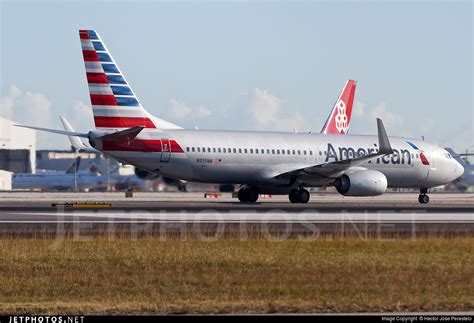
248	65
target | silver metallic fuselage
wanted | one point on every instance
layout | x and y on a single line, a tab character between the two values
403	169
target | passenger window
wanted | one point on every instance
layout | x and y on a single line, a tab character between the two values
198	149
262	151
240	150
278	151
304	152
283	151
294	152
245	150
256	151
192	149
273	151
320	153
288	152
208	149
299	152
187	149
213	149
268	151
311	152
218	150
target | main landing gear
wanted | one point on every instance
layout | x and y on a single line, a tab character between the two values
299	195
423	198
248	195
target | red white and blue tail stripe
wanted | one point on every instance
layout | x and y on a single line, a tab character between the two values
114	104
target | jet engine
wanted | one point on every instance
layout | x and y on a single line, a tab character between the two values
144	174
362	183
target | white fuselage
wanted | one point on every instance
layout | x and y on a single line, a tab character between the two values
257	158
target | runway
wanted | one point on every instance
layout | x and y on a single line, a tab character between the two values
185	214
177	213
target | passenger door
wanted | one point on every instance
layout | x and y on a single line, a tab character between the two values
165	150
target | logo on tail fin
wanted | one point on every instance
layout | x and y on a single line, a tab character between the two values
341	119
114	104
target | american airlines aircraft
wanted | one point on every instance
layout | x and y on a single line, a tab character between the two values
262	162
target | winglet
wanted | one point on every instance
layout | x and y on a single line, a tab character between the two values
384	143
76	143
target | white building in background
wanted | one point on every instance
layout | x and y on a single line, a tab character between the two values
5	180
17	148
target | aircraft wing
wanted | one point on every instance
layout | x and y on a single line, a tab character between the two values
337	168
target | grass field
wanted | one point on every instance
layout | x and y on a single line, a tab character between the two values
233	276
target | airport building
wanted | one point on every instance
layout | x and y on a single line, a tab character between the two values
17	148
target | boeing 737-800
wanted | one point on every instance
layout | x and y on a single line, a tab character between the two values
262	162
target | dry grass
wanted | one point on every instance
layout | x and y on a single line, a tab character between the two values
228	276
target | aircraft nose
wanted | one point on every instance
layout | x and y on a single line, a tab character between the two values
459	169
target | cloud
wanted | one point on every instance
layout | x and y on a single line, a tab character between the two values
180	110
266	112
359	109
265	107
30	108
363	119
7	102
82	116
389	118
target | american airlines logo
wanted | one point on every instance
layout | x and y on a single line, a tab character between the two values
402	156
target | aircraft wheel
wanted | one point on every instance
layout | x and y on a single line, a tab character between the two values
423	199
293	196
303	196
243	195
252	196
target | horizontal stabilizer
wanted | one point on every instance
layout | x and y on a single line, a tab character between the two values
123	135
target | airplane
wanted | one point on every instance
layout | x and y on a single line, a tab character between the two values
261	162
61	181
466	181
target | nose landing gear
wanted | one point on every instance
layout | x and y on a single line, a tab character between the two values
299	195
423	198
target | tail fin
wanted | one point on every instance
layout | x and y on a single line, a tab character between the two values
75	165
114	103
340	117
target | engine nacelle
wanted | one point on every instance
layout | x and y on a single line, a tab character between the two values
144	174
362	183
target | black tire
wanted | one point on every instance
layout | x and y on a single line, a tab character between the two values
303	196
423	199
243	195
293	196
252	196
426	199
